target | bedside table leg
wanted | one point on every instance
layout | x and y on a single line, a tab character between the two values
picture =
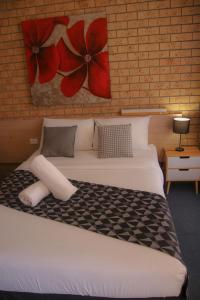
168	186
196	187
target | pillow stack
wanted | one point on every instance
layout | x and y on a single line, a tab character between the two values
112	137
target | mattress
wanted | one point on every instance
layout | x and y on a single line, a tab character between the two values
38	255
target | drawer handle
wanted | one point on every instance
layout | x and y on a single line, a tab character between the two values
184	157
183	169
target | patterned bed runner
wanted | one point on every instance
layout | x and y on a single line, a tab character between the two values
134	216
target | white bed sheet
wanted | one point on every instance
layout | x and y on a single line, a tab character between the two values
43	256
141	172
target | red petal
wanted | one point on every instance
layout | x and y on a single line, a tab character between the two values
48	61
76	36
96	37
61	20
44	29
30	33
32	65
98	75
37	32
72	83
68	60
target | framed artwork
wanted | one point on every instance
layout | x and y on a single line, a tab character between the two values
67	59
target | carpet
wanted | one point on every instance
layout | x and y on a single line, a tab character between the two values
185	209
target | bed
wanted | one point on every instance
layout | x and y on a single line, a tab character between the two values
44	258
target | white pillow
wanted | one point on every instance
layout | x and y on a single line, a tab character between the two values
84	133
139	127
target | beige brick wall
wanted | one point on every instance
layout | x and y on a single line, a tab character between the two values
154	51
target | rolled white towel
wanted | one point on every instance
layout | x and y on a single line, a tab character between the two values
56	182
34	193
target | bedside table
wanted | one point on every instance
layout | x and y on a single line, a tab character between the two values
182	166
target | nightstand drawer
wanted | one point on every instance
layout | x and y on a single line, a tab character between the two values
183	174
184	162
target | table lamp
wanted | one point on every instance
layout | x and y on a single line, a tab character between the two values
181	126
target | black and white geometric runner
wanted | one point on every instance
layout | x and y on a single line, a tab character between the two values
134	216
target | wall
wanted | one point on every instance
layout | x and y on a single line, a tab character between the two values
154	51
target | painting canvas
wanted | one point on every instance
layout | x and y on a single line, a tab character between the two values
67	59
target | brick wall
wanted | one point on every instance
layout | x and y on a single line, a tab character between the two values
154	51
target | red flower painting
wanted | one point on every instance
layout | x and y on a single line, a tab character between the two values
67	59
36	33
88	62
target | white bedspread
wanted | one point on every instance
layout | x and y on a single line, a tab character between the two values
43	256
141	172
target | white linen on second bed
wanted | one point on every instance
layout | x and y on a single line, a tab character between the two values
140	172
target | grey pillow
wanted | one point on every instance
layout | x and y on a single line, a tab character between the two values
115	141
59	141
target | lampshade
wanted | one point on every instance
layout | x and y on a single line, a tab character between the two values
181	125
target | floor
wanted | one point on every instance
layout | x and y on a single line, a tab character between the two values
185	208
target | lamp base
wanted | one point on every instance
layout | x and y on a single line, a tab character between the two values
179	149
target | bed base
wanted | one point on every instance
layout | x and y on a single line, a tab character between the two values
29	296
33	296
4	295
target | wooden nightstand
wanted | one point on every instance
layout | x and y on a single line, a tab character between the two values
182	166
6	168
